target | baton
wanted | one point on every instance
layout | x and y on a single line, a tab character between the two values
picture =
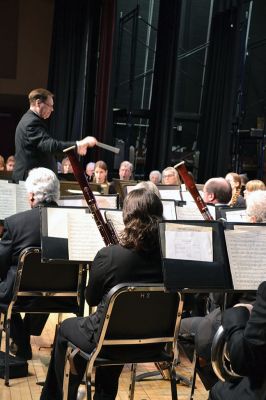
99	144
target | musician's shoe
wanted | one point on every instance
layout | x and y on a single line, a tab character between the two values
22	351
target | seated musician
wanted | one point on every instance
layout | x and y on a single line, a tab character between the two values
135	259
245	333
252	186
125	171
155	177
100	177
170	176
22	230
237	200
2	163
204	328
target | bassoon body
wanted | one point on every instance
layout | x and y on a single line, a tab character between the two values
107	232
191	187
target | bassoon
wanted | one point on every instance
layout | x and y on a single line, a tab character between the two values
191	187
106	230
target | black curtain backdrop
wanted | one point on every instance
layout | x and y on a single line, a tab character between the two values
103	105
223	65
159	140
72	70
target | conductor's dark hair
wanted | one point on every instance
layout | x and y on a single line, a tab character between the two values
142	210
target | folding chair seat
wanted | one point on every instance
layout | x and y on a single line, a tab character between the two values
42	287
139	325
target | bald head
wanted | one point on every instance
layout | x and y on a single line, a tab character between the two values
217	191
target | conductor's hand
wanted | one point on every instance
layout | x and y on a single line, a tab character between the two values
82	145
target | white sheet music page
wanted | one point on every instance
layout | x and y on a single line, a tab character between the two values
169	211
188	212
57	220
84	238
188	242
22	203
236	216
116	219
247	256
7	199
170	194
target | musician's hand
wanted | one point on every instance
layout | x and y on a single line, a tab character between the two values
248	306
82	145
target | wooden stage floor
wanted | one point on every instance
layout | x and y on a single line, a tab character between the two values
27	389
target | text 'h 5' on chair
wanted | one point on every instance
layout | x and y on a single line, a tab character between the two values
42	287
139	325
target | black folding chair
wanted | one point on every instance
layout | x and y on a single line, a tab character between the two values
42	288
139	325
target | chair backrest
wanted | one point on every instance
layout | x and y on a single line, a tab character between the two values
139	314
35	278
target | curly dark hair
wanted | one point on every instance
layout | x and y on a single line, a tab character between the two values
142	210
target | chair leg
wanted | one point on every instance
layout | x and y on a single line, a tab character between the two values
173	381
66	375
132	382
7	329
2	321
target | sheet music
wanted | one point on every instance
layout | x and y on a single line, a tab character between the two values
116	219
188	242
108	201
72	202
7	199
169	209
57	220
187	196
236	216
189	211
247	256
83	247
170	194
22	203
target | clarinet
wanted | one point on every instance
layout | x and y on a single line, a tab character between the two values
190	184
106	230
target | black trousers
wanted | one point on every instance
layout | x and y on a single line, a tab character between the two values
106	378
31	324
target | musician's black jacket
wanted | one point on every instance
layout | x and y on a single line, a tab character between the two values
34	146
246	337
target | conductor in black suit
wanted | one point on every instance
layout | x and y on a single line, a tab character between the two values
34	147
22	230
135	259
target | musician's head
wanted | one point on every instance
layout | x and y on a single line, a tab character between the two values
142	210
252	186
256	206
148	185
42	186
66	166
125	171
234	180
100	172
217	191
170	176
41	102
90	167
155	177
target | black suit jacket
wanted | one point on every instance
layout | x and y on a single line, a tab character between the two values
34	146
111	266
246	336
20	231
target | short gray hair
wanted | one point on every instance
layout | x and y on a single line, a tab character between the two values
126	164
148	185
43	183
157	173
256	205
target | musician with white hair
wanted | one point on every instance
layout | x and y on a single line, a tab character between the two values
22	230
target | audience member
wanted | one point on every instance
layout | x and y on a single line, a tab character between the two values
136	259
155	177
2	163
90	171
170	176
20	231
100	177
252	186
125	171
34	146
66	166
237	200
10	163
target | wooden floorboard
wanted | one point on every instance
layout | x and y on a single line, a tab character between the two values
157	389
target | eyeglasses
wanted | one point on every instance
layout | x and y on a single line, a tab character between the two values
49	105
168	176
